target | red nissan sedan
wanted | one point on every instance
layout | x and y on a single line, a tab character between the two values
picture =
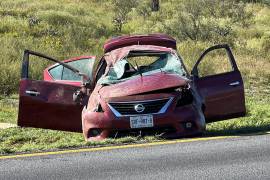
139	85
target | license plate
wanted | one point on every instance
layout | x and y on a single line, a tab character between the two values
141	121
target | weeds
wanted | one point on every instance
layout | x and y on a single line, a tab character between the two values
74	29
8	109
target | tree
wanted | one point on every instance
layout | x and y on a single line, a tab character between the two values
121	10
155	5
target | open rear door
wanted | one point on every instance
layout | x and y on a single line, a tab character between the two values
47	104
222	93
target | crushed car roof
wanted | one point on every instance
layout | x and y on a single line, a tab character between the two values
113	56
162	40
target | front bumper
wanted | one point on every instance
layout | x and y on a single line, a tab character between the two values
176	119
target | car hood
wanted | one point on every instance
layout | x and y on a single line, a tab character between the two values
143	84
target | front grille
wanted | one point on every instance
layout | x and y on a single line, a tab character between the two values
151	107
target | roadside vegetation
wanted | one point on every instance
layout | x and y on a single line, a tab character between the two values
68	28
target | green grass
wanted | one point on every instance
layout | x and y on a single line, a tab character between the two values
8	109
80	27
14	140
256	120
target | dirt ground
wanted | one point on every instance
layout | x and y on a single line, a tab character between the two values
7	125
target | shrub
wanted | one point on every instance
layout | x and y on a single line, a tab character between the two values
266	43
207	20
121	10
76	28
56	18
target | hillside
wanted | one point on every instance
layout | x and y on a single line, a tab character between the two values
67	28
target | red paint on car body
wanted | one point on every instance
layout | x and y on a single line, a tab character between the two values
192	99
143	84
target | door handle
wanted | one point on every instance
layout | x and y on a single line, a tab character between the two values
236	83
32	93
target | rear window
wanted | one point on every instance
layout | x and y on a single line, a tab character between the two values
83	65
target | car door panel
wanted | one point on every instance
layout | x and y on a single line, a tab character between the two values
222	100
52	108
222	94
48	104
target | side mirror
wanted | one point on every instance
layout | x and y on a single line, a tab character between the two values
80	95
85	80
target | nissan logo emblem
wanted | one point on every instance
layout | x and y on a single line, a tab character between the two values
139	108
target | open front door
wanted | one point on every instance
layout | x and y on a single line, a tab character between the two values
219	84
47	104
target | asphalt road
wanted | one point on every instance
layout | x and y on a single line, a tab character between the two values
246	157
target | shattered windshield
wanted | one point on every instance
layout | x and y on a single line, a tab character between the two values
139	63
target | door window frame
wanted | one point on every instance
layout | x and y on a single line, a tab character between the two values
89	58
25	63
195	72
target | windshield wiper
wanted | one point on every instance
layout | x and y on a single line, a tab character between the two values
136	69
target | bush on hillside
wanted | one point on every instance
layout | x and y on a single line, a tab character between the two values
121	10
81	27
208	20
